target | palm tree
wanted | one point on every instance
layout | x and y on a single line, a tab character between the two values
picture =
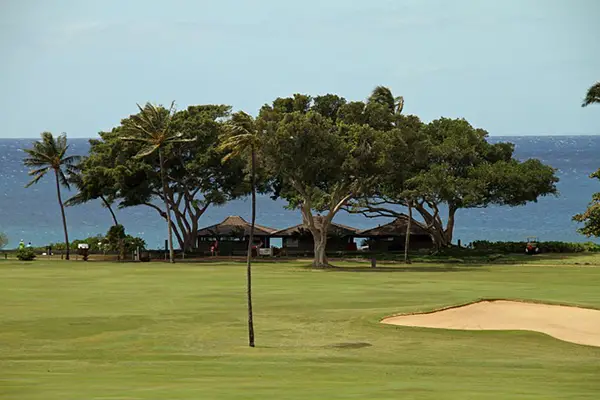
592	96
151	127
86	192
243	138
50	154
383	96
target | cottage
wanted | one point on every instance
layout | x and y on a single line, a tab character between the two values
298	239
232	235
392	236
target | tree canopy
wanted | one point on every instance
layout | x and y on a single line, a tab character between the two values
321	154
592	96
196	178
317	161
449	164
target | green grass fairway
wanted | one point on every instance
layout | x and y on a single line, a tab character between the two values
83	331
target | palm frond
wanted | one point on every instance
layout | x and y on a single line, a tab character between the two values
171	112
34	162
37	157
71	160
42	170
179	138
63	179
147	150
76	200
37	178
133	139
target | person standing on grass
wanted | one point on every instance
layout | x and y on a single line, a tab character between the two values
21	245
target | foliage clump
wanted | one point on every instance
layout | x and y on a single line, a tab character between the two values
26	254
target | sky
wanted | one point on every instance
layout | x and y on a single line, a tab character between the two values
512	67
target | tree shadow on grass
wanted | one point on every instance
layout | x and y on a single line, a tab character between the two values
401	268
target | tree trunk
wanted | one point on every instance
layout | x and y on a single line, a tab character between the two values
107	204
449	231
168	212
320	239
439	235
408	226
249	259
62	211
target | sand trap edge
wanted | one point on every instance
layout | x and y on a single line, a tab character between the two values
483	300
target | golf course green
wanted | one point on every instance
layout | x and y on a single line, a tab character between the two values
83	331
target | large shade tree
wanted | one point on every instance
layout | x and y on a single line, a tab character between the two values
50	154
444	166
195	176
317	161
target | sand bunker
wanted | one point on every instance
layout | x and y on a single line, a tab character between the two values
572	324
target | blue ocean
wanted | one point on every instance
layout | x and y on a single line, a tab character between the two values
33	214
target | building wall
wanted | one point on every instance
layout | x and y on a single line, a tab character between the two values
306	245
397	243
229	247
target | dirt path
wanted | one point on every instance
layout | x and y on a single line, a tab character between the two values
571	324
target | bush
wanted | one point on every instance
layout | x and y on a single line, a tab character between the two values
545	247
26	254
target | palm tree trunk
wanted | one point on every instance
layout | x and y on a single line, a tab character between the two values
107	204
164	185
249	259
62	211
407	240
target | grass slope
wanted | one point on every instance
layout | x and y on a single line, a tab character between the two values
155	331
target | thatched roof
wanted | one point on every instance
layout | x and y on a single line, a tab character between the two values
334	229
396	228
234	226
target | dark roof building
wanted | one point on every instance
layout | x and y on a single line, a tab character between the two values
234	226
334	229
395	228
232	235
392	236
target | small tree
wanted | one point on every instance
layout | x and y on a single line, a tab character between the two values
115	239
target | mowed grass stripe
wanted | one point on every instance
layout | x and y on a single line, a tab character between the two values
156	331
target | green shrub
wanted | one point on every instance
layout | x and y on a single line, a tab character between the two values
26	254
545	247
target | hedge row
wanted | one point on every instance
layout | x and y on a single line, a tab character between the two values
545	247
